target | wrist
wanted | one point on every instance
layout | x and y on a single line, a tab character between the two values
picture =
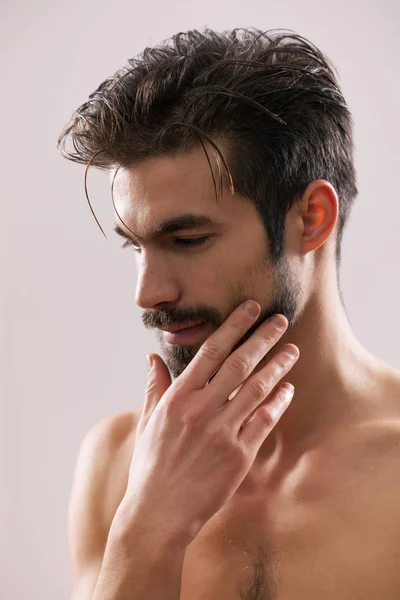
157	533
138	562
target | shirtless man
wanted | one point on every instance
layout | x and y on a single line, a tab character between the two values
217	488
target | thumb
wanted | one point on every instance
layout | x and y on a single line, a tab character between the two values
158	381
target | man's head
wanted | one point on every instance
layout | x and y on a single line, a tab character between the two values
262	116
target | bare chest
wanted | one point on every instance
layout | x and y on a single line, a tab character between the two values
326	537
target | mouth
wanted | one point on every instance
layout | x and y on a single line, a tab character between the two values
186	335
176	329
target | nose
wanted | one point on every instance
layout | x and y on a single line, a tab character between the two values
156	284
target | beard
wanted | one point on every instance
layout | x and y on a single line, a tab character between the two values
287	301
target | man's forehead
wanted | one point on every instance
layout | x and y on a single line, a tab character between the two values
186	171
165	212
151	188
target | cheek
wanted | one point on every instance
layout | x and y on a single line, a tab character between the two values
245	262
230	262
236	272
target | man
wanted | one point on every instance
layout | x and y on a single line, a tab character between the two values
161	506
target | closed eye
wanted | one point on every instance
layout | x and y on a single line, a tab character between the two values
191	242
185	242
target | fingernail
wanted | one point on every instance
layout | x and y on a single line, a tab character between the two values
278	321
292	352
149	361
288	388
251	308
288	393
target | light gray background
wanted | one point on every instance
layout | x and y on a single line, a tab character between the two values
71	340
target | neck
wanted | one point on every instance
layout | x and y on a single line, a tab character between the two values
331	376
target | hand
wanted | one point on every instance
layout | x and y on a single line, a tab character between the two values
193	448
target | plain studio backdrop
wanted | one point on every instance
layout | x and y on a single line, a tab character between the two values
72	343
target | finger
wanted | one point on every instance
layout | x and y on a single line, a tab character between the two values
241	363
259	386
217	348
254	433
158	381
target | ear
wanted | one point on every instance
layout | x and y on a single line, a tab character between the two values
320	210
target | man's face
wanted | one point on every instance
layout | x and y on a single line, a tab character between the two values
177	284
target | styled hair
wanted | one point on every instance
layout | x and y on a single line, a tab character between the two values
271	97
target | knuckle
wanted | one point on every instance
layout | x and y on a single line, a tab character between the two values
266	416
239	455
258	387
281	362
239	365
268	337
211	351
171	410
220	437
242	450
151	386
191	420
174	405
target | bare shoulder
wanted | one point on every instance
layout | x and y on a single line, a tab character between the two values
381	431
109	448
112	430
99	485
370	444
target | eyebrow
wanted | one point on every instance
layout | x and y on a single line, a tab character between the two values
186	221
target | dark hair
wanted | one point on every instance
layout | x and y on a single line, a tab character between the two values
271	97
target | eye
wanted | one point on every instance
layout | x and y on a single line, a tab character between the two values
185	242
191	242
129	243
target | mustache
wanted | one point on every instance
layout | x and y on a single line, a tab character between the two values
152	319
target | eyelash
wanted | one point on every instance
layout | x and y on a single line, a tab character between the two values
185	242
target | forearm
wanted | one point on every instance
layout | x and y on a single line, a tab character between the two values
140	562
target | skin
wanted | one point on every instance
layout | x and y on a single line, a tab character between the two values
210	281
322	491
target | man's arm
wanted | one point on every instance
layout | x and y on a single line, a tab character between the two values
99	484
140	561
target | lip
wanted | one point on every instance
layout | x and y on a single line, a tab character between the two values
176	329
186	335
